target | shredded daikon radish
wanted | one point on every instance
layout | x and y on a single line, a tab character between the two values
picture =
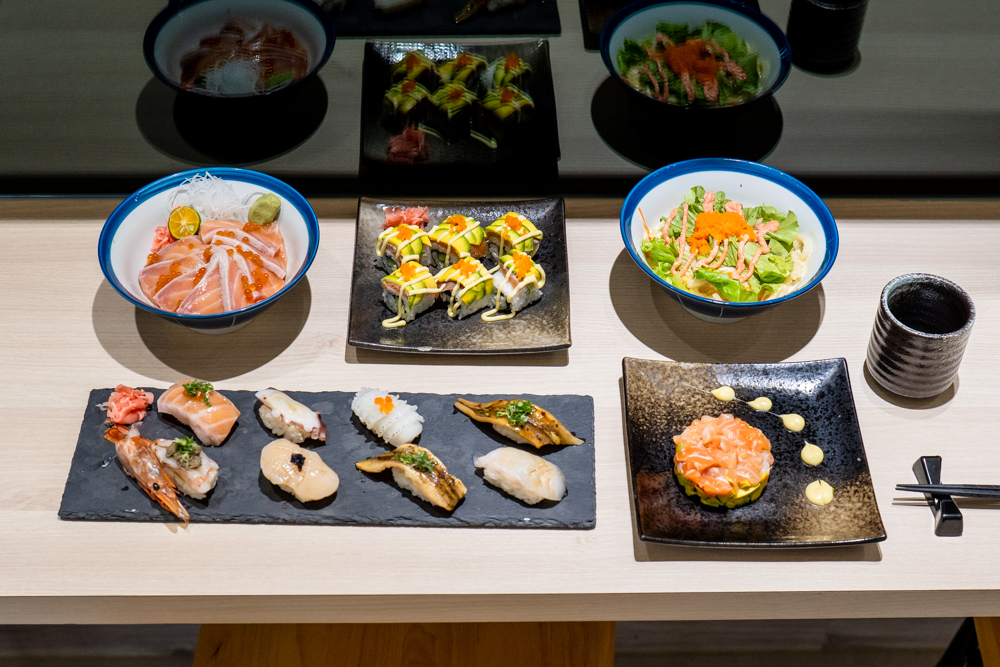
212	197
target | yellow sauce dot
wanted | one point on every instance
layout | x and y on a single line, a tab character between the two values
724	394
812	455
793	422
819	493
762	403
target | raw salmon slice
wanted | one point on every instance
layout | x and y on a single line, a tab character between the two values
150	276
211	423
206	297
718	453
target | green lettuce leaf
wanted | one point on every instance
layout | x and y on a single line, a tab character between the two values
787	231
659	251
630	54
777	248
677	32
773	268
730	289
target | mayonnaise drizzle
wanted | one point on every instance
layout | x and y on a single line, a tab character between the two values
491	316
518	239
397	321
452	238
461	288
383	244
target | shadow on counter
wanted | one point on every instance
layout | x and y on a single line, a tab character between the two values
664	326
159	349
651	136
205	131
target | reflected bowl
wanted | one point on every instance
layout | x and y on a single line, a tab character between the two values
124	244
749	183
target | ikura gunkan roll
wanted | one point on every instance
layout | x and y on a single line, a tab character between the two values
463	68
510	70
405	104
470	285
453	107
457	237
512	232
504	110
519	281
398	245
416	66
408	292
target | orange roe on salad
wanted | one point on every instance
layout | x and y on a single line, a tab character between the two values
719	226
693	58
384	404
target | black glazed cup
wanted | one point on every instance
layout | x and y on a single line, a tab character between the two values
921	329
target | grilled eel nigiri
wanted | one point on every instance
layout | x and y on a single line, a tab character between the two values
421	473
520	420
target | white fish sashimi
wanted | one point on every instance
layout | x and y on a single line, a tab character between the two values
400	426
523	475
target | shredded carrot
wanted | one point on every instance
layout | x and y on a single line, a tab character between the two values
643	222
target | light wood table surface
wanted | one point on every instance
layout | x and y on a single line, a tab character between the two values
64	331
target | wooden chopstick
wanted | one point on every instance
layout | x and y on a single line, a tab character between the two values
963	490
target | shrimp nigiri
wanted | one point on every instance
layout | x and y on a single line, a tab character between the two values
209	414
141	463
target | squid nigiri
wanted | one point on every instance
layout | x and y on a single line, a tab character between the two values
187	466
141	464
209	414
421	473
389	417
520	420
523	475
288	418
298	471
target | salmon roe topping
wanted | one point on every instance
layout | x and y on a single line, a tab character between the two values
404	233
719	226
513	221
253	227
175	270
384	404
207	255
152	259
199	275
456	223
229	234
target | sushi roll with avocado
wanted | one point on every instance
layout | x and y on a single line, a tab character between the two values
470	286
453	107
457	237
398	245
505	110
408	292
464	69
405	104
512	232
510	71
519	281
416	66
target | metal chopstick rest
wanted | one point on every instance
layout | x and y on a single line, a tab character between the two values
948	520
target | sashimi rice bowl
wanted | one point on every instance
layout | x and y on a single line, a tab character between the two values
209	249
728	238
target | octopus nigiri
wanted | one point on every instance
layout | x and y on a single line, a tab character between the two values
421	473
141	464
298	471
187	466
127	405
520	420
389	417
288	418
523	475
209	414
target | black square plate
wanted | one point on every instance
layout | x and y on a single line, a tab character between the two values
662	398
541	327
435	17
538	142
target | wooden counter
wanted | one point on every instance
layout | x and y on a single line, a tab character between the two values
64	331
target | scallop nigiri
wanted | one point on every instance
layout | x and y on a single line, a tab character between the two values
520	420
141	464
209	414
421	473
288	418
523	475
187	466
389	417
298	471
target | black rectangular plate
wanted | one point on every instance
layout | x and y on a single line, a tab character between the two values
539	138
435	17
243	494
661	401
541	327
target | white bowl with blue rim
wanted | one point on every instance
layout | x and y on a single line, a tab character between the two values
637	21
749	183
124	245
179	28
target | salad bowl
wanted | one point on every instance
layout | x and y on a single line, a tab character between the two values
637	22
749	183
124	243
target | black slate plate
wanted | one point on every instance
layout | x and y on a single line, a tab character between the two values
661	401
243	495
541	327
539	137
359	19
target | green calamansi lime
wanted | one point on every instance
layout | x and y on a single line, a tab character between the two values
183	221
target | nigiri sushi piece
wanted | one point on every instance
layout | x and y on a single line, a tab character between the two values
520	420
209	414
187	466
388	416
523	475
408	292
127	405
519	282
288	418
298	471
418	471
141	464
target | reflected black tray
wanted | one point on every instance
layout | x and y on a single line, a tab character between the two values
243	494
662	398
434	17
